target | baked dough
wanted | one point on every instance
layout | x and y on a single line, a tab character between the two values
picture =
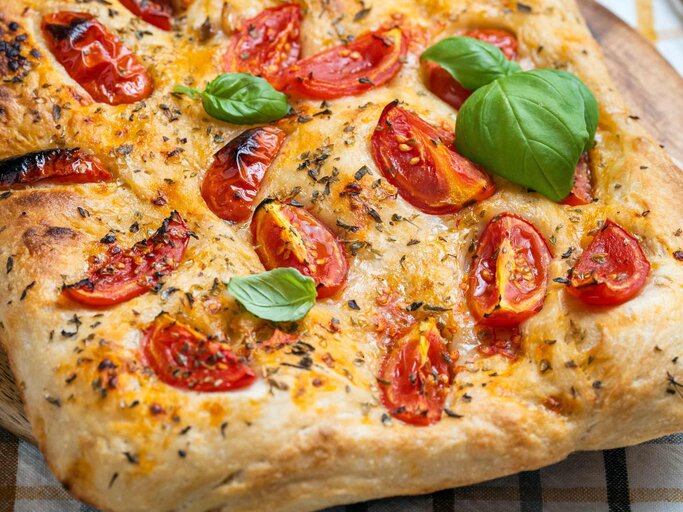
302	439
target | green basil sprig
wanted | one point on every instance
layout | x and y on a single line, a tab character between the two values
279	295
239	98
531	128
473	63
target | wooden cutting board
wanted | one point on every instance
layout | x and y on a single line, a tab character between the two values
651	86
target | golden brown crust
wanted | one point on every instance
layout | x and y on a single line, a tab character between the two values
587	378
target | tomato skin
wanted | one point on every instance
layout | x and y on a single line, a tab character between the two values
416	374
611	270
418	159
95	58
126	274
509	275
286	235
503	39
157	13
368	61
504	341
69	165
185	358
232	182
392	318
267	44
582	191
442	84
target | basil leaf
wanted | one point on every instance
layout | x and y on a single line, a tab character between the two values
473	63
590	110
188	91
279	295
531	128
240	98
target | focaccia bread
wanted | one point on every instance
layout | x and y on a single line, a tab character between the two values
306	426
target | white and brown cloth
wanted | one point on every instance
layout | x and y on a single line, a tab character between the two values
660	21
644	478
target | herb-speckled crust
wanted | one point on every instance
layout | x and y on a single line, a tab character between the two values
312	435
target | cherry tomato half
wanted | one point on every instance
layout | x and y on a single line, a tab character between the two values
418	159
286	235
349	69
96	58
443	85
506	41
267	44
125	274
504	341
232	182
611	270
185	358
582	192
509	274
416	374
54	166
155	12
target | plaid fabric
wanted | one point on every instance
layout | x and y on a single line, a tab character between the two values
644	478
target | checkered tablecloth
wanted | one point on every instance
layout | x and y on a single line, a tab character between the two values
644	478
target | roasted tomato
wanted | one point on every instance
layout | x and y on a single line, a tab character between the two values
368	61
155	12
443	85
267	44
96	58
416	374
187	359
392	317
125	274
286	235
54	166
505	341
582	192
506	41
232	182
440	81
611	270
419	160
509	274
